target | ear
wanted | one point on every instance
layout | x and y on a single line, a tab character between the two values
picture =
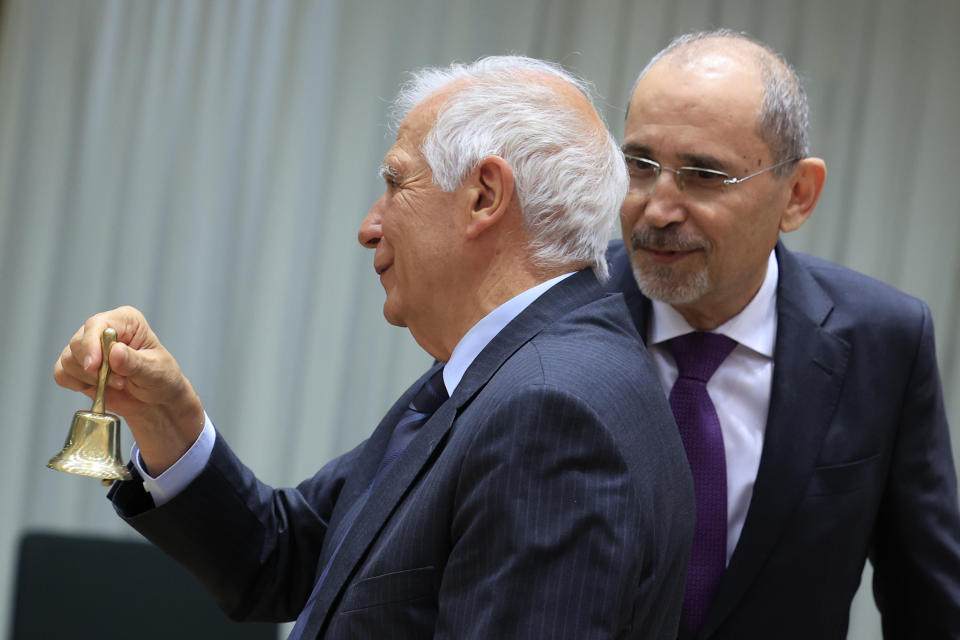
806	183
491	194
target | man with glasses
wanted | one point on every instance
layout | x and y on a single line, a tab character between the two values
807	395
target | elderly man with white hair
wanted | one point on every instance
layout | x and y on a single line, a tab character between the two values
530	484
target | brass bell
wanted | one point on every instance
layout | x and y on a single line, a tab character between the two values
92	447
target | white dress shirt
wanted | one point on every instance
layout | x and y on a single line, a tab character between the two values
168	484
740	388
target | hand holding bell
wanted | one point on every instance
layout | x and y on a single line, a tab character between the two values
92	447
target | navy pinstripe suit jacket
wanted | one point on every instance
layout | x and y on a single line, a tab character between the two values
856	463
549	497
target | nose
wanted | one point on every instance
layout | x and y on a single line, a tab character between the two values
370	232
665	203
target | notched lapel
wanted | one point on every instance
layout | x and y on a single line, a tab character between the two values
356	485
572	293
810	365
623	281
389	491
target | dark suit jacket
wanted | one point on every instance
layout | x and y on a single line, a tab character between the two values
856	462
548	498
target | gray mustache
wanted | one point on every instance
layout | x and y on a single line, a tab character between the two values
664	240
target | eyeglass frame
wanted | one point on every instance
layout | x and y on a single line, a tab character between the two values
728	180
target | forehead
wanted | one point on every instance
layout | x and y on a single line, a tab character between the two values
414	128
707	104
406	148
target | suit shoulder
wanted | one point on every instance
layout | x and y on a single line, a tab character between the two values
597	337
595	353
855	294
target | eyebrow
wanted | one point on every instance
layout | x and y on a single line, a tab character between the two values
388	171
686	159
700	160
636	150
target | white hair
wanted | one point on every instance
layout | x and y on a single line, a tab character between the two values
569	173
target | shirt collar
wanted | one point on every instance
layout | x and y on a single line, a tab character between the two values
480	334
755	327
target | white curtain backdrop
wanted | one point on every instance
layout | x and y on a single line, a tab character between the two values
209	161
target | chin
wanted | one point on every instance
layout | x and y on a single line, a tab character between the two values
393	317
663	283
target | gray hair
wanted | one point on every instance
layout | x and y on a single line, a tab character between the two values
784	119
569	173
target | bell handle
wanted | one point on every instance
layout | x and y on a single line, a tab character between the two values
107	340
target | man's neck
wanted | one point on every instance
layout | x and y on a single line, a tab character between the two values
487	293
754	326
488	327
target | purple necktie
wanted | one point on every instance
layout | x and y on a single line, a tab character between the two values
697	356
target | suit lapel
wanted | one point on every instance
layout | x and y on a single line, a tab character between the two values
622	281
810	364
354	489
380	504
573	292
358	481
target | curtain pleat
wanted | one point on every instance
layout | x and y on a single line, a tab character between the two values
210	162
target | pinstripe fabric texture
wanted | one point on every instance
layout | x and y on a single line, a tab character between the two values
431	395
548	498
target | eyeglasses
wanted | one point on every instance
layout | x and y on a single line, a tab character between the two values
645	172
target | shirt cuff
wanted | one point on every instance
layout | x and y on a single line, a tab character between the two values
172	481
